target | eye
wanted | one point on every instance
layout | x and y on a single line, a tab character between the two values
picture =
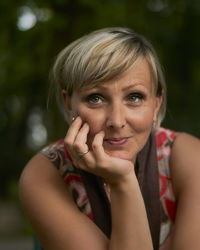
94	99
135	97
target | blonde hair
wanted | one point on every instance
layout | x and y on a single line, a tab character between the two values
101	56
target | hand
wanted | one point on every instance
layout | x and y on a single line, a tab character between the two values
96	161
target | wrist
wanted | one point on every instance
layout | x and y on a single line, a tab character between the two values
125	183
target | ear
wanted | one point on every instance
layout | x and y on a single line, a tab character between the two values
158	103
67	101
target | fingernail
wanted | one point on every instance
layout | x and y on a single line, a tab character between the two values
75	118
78	118
86	124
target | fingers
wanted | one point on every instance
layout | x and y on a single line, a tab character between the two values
81	139
97	145
83	157
92	157
76	137
73	131
76	142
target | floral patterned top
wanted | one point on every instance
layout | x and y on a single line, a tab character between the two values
58	155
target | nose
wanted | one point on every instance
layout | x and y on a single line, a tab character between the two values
116	116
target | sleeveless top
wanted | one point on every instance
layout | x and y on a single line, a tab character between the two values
59	156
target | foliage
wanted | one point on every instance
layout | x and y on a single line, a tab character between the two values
26	57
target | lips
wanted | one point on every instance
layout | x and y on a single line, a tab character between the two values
117	141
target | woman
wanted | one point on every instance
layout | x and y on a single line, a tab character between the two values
128	183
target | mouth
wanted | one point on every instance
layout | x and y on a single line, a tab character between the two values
117	141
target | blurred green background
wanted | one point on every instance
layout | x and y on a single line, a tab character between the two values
31	35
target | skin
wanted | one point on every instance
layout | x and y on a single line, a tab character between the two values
118	113
185	170
114	115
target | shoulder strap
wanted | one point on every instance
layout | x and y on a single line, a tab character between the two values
98	200
147	174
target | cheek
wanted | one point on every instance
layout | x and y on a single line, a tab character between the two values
94	119
142	119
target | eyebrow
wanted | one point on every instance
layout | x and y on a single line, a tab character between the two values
123	89
132	86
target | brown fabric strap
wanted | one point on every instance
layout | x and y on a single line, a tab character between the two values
147	174
99	202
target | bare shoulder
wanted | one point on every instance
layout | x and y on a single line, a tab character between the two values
51	210
185	161
40	181
44	197
38	172
38	166
185	169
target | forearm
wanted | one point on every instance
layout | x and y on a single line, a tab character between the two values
130	228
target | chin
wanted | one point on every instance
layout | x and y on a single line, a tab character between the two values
120	154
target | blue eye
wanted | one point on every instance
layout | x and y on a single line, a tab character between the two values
94	99
135	97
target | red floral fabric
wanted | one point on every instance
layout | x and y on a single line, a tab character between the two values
164	142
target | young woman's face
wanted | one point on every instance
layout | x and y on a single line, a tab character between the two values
123	108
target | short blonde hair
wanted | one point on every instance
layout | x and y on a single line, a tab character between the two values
103	55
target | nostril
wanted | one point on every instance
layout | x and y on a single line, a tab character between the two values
113	123
116	116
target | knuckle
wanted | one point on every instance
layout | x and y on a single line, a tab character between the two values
102	165
95	145
100	162
90	165
67	142
77	146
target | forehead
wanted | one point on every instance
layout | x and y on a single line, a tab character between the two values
138	74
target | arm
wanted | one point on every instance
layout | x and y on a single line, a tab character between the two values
52	212
130	229
55	218
185	167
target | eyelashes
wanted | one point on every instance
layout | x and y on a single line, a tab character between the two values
135	97
96	99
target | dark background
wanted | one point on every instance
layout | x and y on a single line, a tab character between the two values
33	32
